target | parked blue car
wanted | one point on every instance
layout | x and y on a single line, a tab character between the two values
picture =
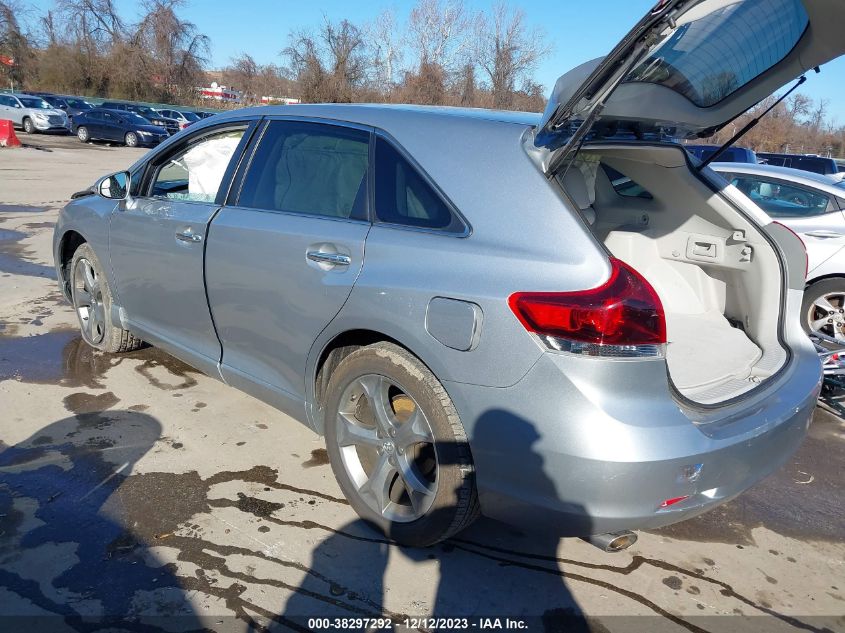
128	128
730	155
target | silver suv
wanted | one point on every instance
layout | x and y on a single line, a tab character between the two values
32	114
461	302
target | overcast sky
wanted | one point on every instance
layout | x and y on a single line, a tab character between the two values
579	31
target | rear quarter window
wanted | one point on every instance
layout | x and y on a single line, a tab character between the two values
404	197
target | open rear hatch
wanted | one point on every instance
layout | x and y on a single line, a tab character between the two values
688	68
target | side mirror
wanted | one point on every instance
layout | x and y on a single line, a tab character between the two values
114	187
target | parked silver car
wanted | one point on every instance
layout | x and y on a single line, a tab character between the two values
32	114
812	205
463	305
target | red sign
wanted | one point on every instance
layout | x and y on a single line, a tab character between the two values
8	61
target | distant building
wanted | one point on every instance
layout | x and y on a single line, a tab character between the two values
279	100
220	93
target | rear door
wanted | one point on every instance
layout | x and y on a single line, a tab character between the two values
811	213
281	260
94	121
111	127
157	239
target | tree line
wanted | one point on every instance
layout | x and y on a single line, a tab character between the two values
797	125
440	53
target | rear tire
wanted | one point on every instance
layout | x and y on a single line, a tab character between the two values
404	466
820	299
28	126
82	134
92	302
131	139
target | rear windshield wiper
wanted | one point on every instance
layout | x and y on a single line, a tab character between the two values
750	125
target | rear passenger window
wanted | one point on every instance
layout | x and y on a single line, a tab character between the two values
402	196
309	168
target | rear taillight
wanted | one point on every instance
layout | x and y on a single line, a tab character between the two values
621	318
806	257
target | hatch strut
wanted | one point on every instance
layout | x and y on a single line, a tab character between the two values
748	126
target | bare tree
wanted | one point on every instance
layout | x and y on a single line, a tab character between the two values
15	46
330	65
176	51
386	49
439	32
507	51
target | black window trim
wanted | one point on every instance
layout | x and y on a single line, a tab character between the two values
232	200
152	166
458	219
233	197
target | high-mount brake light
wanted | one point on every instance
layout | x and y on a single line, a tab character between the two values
622	318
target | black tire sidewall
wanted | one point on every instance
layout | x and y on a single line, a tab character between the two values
816	290
455	483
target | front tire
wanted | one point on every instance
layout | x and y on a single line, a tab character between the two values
397	446
92	302
28	126
82	134
131	139
823	308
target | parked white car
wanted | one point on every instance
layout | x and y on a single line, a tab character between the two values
812	205
32	114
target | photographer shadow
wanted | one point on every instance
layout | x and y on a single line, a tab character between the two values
67	552
479	575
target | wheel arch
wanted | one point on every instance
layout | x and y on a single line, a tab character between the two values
331	353
70	241
824	278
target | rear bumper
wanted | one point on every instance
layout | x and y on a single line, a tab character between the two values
584	446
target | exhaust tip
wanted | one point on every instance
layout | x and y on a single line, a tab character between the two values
612	541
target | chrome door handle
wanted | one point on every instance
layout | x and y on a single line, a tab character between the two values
189	236
824	234
322	257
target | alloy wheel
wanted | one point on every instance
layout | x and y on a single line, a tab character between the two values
87	297
82	134
131	139
827	315
387	448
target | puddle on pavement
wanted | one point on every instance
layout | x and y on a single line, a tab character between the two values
801	500
14	257
319	457
60	356
40	225
21	208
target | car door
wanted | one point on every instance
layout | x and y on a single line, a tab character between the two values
16	111
5	107
94	122
157	240
811	213
111	127
282	258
